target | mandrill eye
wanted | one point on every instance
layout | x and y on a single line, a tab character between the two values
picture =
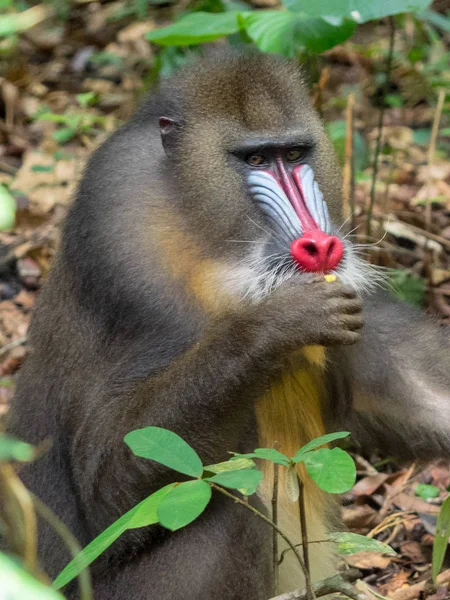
295	154
256	160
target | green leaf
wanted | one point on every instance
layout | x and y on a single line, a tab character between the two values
18	22
285	33
441	538
165	447
93	550
50	116
13	449
360	11
234	464
196	28
436	19
246	480
18	584
184	504
7	209
337	130
273	455
350	543
42	168
319	441
422	136
292	485
146	512
407	287
63	135
141	515
266	454
426	491
271	30
333	470
86	99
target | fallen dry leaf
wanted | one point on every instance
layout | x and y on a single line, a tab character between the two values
368	560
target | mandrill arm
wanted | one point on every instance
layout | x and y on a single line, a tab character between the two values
395	382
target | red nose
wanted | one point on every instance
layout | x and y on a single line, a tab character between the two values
316	251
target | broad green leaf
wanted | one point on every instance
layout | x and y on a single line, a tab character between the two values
7	209
285	33
266	454
234	464
319	441
196	28
350	543
273	455
184	504
246	480
441	538
333	470
426	491
13	449
271	30
165	447
144	513
292	486
360	11
18	584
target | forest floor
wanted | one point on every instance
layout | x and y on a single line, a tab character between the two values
66	85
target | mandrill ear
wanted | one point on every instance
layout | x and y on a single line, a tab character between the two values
169	129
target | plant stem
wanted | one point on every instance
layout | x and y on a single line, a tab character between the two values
380	126
28	527
348	189
264	518
302	510
275	521
331	585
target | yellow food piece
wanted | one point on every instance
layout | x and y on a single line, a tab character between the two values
330	278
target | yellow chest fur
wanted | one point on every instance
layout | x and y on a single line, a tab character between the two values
290	415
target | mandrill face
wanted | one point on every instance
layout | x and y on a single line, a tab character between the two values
266	195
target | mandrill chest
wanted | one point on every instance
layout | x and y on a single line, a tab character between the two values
289	415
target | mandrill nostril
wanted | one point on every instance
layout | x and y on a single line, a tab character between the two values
311	249
317	252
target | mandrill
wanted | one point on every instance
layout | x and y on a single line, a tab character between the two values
186	294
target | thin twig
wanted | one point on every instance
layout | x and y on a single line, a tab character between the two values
286	550
84	578
13	344
435	128
432	146
348	198
332	585
276	468
264	518
380	125
302	510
